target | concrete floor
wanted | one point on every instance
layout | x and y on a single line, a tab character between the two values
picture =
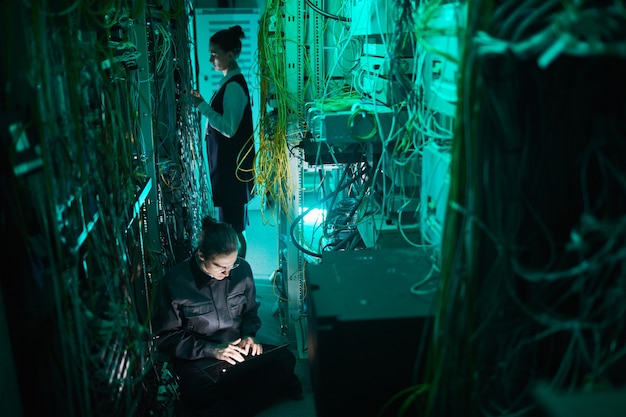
263	257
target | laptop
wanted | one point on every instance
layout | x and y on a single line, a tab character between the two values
217	369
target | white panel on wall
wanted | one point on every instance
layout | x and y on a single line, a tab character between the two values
209	21
440	72
371	17
436	161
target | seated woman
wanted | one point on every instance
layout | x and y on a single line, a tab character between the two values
206	307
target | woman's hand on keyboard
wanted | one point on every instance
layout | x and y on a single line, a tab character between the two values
251	347
231	353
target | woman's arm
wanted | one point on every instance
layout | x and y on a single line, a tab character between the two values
235	102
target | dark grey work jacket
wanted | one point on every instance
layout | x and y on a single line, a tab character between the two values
194	312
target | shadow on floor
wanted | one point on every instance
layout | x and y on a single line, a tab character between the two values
263	257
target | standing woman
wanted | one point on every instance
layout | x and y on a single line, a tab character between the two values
229	134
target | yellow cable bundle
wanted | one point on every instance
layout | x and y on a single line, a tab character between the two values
273	180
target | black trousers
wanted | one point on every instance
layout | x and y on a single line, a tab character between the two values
236	216
244	397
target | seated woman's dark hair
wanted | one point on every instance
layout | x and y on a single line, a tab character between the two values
217	238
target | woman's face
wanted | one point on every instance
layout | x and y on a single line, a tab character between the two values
219	266
219	58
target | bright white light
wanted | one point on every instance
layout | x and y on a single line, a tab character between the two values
313	218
